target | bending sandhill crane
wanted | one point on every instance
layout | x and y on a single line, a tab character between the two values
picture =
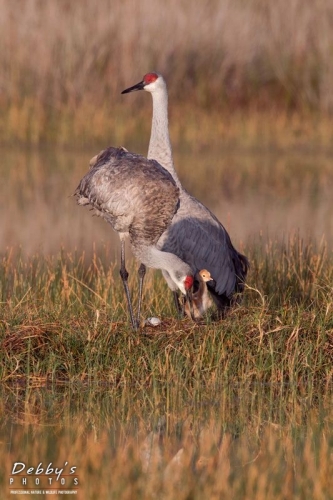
195	234
201	300
138	198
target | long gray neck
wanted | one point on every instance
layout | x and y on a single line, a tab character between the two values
156	259
159	144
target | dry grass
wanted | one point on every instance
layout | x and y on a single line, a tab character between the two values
223	55
247	402
64	318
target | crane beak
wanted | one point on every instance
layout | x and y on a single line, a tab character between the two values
190	302
138	86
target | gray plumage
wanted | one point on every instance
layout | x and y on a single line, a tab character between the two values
199	239
138	198
195	235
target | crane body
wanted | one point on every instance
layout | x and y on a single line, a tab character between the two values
195	235
139	199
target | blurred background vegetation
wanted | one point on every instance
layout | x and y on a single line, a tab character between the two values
63	65
251	101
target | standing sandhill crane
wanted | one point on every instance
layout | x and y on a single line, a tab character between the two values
195	234
138	198
201	300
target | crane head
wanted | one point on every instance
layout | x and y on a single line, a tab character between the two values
205	275
150	82
188	282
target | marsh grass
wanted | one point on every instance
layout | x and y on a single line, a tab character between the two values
244	404
65	318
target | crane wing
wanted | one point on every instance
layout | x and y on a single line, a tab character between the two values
134	194
199	239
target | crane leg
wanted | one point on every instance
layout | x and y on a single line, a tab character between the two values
124	277
142	274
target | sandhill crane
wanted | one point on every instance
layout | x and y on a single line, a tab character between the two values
201	300
195	235
138	198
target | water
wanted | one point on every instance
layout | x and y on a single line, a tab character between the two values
120	442
252	193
